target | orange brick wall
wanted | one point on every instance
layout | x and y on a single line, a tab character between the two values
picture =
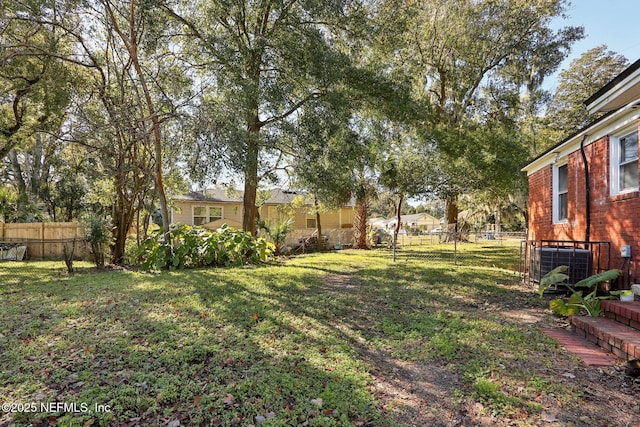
613	218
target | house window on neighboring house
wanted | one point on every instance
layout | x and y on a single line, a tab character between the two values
311	223
199	215
215	213
624	163
560	193
204	214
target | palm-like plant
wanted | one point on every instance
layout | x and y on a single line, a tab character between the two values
276	233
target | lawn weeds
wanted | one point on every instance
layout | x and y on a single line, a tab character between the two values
270	345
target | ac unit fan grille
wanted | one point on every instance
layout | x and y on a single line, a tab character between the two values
579	261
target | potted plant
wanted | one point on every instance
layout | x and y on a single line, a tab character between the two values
625	295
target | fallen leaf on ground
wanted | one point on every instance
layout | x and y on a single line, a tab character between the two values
229	399
317	402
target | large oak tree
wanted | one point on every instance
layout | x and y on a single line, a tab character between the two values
263	61
459	52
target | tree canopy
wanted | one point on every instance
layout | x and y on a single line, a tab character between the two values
586	74
470	59
104	102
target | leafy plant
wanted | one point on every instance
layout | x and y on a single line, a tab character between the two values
277	233
192	247
98	236
554	277
586	299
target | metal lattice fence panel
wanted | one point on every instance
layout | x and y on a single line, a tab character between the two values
469	249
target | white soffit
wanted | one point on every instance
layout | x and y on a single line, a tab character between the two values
618	96
594	133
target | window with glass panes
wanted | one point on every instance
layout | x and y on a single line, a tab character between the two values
628	162
205	214
561	190
199	215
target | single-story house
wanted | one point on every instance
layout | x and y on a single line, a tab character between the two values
423	222
379	223
585	191
216	206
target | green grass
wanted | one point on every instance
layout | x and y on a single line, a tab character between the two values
264	343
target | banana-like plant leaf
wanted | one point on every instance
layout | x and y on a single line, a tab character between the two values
575	302
597	278
555	276
561	308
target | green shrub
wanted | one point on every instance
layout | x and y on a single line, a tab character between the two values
98	236
192	247
277	233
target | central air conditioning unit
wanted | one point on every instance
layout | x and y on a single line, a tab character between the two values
545	259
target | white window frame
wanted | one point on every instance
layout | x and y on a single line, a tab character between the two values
556	205
616	165
208	216
211	217
193	215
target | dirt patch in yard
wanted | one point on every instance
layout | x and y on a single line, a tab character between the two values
415	392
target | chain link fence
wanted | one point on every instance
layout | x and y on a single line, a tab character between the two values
23	258
20	258
507	249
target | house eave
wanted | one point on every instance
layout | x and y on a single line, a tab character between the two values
610	124
623	89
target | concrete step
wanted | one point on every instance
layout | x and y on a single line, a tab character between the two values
611	335
627	313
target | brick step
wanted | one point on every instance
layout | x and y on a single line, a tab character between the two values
589	353
612	336
627	313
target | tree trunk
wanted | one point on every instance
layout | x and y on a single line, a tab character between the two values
130	43
452	218
251	178
398	225
320	242
36	166
19	180
157	135
123	212
361	223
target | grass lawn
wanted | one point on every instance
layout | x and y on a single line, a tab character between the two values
276	345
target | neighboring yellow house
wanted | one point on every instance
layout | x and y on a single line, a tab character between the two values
218	206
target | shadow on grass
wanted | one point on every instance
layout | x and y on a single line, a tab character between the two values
276	345
200	347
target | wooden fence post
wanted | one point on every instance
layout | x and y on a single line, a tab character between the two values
42	237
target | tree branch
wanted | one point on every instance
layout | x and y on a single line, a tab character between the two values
292	109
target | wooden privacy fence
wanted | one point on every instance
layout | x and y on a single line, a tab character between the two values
45	239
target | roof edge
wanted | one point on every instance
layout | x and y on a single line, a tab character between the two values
613	83
595	131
